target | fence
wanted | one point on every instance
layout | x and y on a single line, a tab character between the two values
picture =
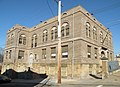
113	65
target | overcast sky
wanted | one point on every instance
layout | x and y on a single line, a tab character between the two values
30	12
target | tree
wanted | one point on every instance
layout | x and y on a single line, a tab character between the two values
1	54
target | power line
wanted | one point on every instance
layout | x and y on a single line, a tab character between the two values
107	8
114	22
50	8
57	2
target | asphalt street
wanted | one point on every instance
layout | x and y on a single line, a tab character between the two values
112	81
22	83
17	84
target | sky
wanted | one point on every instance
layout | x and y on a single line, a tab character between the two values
30	12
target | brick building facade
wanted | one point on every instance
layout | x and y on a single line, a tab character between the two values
84	42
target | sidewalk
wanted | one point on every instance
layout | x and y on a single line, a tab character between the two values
83	83
113	80
53	82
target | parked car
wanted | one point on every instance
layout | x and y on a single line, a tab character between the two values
4	79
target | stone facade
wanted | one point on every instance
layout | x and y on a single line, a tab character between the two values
84	42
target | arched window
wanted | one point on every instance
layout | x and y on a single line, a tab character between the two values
88	31
22	39
45	36
102	54
12	38
94	33
101	36
54	34
34	41
65	29
62	31
106	40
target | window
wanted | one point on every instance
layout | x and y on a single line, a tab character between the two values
102	54
88	31
56	34
22	39
95	49
12	38
65	30
62	31
10	54
35	56
45	36
108	55
89	51
101	36
44	53
34	41
106	40
20	54
53	52
94	33
52	34
6	54
65	51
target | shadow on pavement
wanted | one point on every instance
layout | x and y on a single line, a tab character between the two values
28	75
23	79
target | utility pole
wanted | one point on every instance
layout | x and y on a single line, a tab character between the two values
59	42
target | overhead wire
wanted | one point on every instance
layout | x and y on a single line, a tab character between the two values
37	13
107	8
114	25
50	8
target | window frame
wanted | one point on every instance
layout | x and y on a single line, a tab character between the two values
22	39
65	51
88	29
53	52
45	35
88	51
44	53
20	52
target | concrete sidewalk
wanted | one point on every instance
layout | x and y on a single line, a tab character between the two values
53	82
83	83
113	81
